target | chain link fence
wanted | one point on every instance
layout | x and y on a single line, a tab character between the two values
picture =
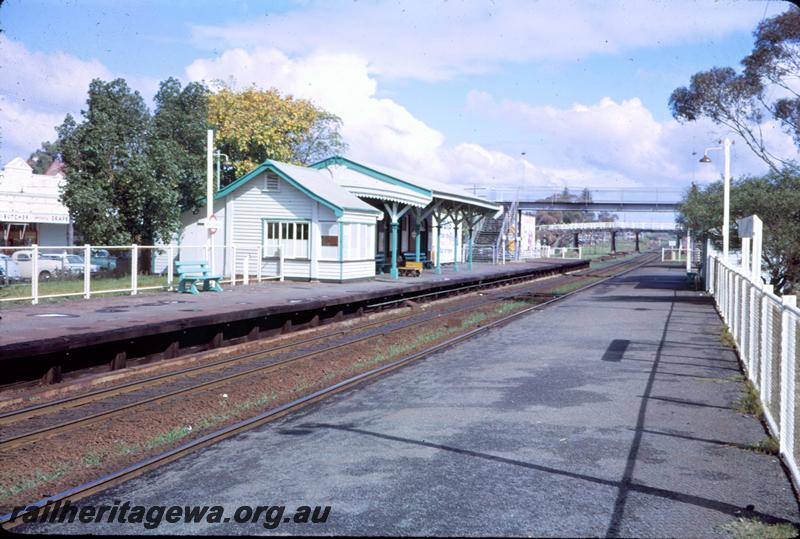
766	330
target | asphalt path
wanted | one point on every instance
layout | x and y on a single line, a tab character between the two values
608	414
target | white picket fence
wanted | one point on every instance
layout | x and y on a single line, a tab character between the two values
766	329
247	265
562	252
673	254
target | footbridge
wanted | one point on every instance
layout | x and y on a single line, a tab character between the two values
593	200
611	226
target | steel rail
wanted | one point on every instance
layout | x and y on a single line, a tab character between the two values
52	430
13	416
10	520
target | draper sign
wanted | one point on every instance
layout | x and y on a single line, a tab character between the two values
13	217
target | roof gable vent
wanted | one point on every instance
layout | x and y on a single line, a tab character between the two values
271	181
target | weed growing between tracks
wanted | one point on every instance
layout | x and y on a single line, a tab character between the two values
75	457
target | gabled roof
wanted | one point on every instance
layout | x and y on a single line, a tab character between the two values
18	163
432	188
314	183
363	185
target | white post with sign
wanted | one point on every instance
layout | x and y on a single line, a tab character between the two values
210	196
751	229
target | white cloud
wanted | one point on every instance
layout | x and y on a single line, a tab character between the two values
37	90
23	129
376	129
55	80
607	144
437	40
621	143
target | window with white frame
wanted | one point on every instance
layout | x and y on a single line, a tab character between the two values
359	240
292	236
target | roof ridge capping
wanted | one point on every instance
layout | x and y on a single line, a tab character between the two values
312	182
429	187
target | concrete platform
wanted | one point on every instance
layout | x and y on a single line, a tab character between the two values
82	333
609	414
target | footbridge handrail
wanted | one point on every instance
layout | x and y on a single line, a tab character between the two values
612	225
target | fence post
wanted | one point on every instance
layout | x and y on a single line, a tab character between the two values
233	266
754	335
35	275
766	350
747	314
737	310
87	271
134	269
688	251
787	378
246	270
170	268
709	273
260	262
281	260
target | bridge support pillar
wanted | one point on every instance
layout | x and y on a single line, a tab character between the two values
637	241
613	241
575	241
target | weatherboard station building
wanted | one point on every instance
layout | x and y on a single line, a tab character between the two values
337	220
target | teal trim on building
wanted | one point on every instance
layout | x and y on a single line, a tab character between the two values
266	166
338	160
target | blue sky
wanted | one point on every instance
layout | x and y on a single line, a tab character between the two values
455	90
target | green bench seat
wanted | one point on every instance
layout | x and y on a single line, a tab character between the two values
190	272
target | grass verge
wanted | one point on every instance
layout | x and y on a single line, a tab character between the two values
750	528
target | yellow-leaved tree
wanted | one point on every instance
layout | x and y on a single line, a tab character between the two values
253	125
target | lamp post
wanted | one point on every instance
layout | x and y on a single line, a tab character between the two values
726	197
219	155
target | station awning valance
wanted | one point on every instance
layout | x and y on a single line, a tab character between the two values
365	186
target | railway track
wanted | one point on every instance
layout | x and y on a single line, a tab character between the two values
39	422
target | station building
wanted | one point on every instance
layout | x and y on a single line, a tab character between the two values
337	220
30	210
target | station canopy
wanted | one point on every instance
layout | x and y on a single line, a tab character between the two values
379	182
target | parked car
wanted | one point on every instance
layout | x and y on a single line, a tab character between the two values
8	269
72	264
47	266
104	260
